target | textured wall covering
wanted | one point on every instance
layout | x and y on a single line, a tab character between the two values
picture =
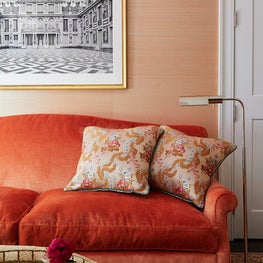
172	51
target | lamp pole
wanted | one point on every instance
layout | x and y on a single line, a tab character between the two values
244	174
197	101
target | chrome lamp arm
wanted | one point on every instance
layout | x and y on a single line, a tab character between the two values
198	101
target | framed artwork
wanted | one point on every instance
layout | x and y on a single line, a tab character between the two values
63	44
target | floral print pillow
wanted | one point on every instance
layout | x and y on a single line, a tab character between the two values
115	159
184	165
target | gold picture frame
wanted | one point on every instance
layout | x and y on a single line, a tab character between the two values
87	50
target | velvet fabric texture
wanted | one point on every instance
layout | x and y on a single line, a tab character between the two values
114	221
14	204
150	257
41	152
45	148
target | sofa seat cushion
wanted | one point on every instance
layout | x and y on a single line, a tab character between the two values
14	204
112	221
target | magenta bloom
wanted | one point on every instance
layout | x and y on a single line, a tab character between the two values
59	251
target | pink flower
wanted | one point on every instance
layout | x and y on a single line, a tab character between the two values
123	184
111	145
59	251
86	183
176	149
180	148
114	143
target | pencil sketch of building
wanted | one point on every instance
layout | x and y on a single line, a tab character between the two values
56	24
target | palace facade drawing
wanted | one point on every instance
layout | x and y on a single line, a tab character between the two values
56	24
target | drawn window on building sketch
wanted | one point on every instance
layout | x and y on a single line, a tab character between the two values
105	35
99	16
51	8
94	17
90	19
40	8
65	25
105	12
6	25
87	21
87	38
29	8
29	24
51	24
75	25
40	23
95	37
15	25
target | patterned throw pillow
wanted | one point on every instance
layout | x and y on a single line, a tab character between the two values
183	165
115	159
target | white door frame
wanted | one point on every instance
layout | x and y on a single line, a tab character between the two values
226	88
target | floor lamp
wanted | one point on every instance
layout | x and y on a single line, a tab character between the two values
197	101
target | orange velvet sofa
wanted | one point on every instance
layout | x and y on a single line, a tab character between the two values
38	157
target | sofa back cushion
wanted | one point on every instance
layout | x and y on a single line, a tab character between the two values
41	151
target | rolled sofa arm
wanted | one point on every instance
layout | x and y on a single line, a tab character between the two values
218	203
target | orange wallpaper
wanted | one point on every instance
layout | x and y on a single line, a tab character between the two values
172	51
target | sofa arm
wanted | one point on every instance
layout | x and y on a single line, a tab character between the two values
219	201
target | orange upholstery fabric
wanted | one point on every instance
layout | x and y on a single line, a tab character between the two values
113	221
14	204
150	257
45	148
39	155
